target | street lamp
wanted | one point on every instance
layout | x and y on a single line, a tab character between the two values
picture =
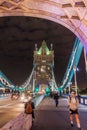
52	84
34	84
34	81
65	91
75	78
69	85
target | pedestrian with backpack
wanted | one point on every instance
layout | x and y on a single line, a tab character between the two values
73	109
29	108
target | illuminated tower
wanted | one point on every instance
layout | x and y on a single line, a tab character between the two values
43	61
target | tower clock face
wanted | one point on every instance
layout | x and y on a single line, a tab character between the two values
43	69
43	72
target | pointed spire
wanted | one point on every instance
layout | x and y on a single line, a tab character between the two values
36	47
51	46
43	43
44	50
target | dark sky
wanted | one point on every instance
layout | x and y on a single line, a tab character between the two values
18	35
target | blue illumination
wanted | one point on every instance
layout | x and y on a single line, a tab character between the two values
5	82
78	69
73	62
37	89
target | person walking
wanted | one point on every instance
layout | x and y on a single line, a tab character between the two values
73	109
56	98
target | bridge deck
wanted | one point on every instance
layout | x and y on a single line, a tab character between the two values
48	117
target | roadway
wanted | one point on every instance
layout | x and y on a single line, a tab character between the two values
48	117
9	109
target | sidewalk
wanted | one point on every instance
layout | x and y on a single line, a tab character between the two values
48	117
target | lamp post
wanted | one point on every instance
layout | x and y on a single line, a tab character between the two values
52	83
75	78
34	79
69	85
65	91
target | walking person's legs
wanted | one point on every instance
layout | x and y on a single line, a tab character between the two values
71	119
71	116
78	120
56	103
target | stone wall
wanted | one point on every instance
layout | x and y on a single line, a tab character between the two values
22	122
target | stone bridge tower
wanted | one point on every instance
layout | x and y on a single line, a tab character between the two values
43	62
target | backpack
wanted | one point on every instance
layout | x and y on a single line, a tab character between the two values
28	108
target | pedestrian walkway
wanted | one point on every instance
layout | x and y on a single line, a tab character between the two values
50	117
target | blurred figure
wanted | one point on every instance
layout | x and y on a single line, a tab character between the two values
56	97
73	109
29	108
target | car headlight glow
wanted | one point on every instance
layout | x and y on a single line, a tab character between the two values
22	98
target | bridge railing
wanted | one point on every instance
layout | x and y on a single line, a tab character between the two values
82	99
5	95
37	100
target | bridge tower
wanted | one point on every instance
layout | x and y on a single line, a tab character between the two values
44	63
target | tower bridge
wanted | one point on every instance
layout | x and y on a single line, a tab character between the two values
42	75
44	63
70	13
73	15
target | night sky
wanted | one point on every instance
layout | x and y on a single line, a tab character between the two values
18	36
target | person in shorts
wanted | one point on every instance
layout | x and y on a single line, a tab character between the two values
73	109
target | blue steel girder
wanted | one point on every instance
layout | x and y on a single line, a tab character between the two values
26	84
73	62
4	82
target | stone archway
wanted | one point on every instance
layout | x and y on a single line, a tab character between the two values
70	13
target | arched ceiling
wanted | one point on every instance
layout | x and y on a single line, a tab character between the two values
18	36
70	13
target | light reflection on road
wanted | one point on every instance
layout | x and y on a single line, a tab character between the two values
9	109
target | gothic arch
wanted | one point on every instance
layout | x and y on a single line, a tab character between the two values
70	13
